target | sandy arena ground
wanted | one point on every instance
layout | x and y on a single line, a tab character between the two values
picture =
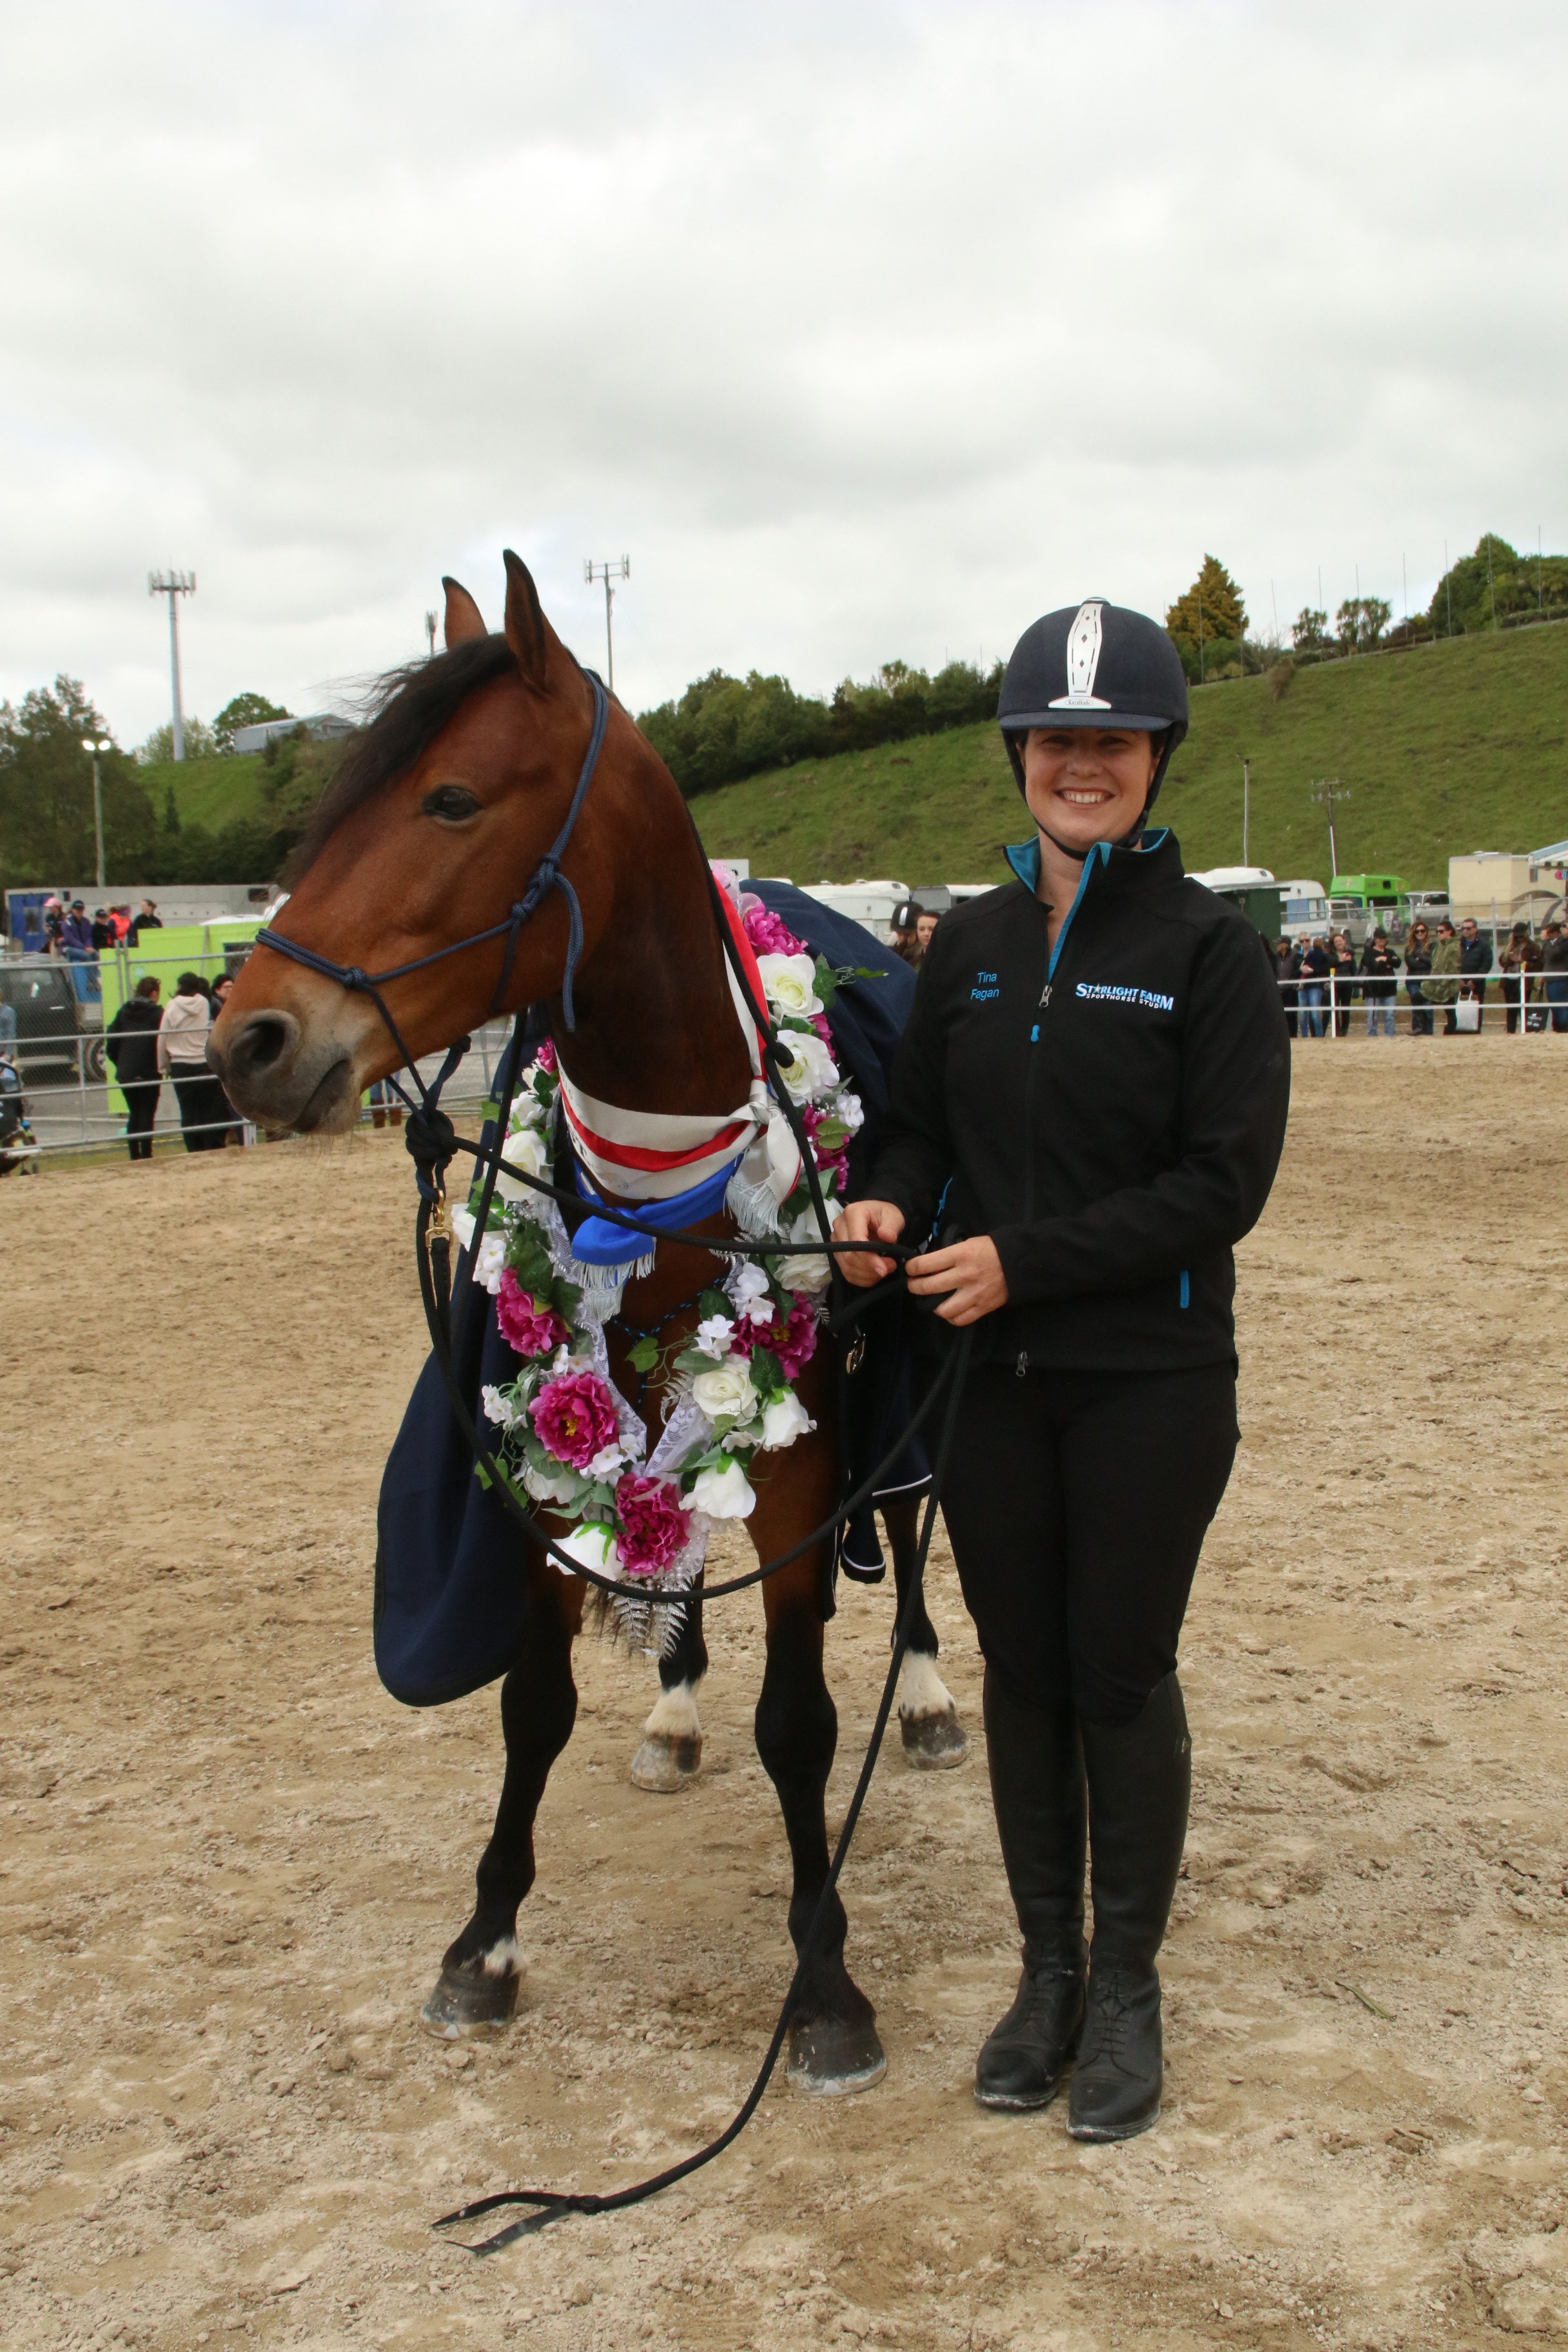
231	1862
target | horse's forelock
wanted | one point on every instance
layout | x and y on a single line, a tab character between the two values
410	708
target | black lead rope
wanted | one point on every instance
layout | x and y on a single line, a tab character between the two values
551	2204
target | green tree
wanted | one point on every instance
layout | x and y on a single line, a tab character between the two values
1361	621
1211	608
46	793
1309	630
1494	585
201	743
245	710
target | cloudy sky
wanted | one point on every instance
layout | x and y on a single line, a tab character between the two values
866	329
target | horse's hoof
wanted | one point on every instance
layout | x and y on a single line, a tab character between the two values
667	1761
471	2001
829	2057
933	1743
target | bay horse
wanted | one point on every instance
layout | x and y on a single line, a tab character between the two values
440	811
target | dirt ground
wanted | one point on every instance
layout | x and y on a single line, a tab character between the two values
231	1862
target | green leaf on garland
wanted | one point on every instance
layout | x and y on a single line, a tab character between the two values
644	1355
767	1373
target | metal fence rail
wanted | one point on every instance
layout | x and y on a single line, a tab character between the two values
1530	1004
73	1101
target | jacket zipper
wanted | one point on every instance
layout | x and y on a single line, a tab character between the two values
1090	862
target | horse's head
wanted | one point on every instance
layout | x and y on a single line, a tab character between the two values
428	833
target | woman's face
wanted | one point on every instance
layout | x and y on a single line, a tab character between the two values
923	930
1086	784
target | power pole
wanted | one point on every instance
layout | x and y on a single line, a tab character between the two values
94	750
1326	793
174	585
608	572
1245	808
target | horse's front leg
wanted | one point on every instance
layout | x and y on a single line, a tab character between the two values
933	1735
482	1972
671	1748
833	2044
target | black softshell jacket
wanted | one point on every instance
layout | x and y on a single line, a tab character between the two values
1111	1114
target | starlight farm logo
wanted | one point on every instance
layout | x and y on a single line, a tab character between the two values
1105	992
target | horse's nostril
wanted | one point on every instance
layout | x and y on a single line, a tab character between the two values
264	1040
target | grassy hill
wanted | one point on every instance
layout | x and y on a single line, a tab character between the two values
214	792
1454	746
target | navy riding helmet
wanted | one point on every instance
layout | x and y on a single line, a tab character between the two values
1094	664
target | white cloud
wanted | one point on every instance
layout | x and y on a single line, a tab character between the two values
866	329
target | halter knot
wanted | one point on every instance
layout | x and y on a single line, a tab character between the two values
356	977
431	1139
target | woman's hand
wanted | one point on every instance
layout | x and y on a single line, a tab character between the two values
970	1272
867	1221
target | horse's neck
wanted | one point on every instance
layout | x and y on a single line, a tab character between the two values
657	1027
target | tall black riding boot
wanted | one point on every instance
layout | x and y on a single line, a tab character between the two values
1139	1782
1036	1788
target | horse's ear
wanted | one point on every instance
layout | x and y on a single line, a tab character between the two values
464	619
538	650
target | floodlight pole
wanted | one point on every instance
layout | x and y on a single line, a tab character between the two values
1245	808
174	585
430	632
1326	793
93	749
608	572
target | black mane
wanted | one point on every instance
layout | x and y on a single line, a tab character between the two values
411	705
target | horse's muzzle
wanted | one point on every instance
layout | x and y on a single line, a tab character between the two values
274	1074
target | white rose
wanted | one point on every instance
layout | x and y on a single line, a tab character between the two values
812	1070
811	1275
724	1493
783	1421
463	1226
713	1336
791	983
528	1111
524	1151
594	1545
547	1486
726	1389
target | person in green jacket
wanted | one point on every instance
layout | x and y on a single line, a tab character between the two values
1443	988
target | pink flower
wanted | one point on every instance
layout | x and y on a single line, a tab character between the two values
574	1417
819	1022
545	1057
525	1325
654	1524
792	1339
770	935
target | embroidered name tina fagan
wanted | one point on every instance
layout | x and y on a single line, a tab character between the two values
984	987
1104	991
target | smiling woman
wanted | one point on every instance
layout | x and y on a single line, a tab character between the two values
1092	1089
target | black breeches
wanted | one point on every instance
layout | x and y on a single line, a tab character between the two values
141	1109
204	1114
1077	1504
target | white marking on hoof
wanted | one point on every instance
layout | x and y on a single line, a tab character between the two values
921	1690
674	1713
502	1960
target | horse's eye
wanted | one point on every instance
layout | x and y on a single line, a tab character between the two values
452	801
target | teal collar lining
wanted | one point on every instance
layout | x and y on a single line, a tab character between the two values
1024	856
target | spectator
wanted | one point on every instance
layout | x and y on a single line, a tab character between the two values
102	931
1444	986
54	924
1521	960
385	1105
1417	964
906	930
218	996
120	920
76	933
147	919
1316	966
1380	983
131	1045
1287	970
925	929
1475	961
1344	992
1555	963
205	1113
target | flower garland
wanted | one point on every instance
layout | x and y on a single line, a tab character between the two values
567	1434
